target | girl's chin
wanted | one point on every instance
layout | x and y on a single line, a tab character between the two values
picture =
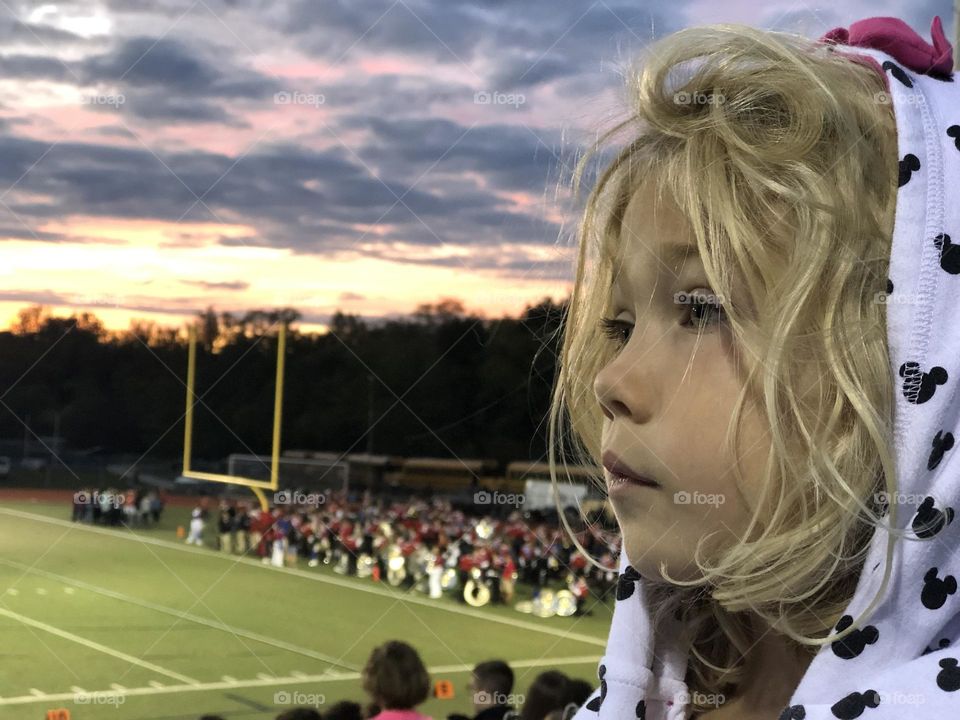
649	562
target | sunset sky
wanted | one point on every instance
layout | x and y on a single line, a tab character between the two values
162	156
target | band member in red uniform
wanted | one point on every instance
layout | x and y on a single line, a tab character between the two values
581	592
465	565
508	577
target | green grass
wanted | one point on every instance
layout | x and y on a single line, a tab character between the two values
94	607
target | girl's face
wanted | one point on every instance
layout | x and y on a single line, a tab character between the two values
668	400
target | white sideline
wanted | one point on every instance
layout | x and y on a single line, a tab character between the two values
133	536
297	680
181	614
95	646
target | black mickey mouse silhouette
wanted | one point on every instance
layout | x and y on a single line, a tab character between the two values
641	710
898	73
949	254
936	591
853	644
943	644
627	583
948	679
954	132
853	705
929	521
598	701
942	442
926	382
794	712
909	165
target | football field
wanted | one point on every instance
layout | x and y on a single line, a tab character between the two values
136	625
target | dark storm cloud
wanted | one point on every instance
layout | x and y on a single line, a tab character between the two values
405	95
31	67
161	105
266	188
175	67
161	80
515	157
524	43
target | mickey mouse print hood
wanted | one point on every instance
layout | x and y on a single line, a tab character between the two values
905	663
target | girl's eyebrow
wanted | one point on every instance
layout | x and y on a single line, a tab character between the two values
674	254
671	261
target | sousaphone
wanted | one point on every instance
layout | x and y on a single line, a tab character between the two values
396	566
365	564
476	591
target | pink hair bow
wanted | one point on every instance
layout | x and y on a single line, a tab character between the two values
894	37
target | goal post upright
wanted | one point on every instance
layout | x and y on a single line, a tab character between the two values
257	486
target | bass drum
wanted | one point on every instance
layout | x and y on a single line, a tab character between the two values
476	591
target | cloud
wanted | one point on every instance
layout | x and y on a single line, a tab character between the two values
237	285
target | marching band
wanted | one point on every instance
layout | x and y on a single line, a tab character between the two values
433	548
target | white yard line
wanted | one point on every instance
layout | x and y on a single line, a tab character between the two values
367	587
297	680
95	646
183	615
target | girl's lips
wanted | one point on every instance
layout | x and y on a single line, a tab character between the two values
619	472
617	484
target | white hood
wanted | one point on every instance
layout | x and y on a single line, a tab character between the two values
906	662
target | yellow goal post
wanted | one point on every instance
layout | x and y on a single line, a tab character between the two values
257	486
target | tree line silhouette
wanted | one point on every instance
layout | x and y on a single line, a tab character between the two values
440	382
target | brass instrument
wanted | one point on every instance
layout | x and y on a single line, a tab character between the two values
484	529
365	565
396	565
476	591
544	605
565	603
449	580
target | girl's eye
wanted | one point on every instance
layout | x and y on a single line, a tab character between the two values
705	307
617	330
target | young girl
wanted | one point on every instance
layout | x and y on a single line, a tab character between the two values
761	351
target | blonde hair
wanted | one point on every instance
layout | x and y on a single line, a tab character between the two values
782	155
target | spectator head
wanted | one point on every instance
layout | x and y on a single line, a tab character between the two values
395	676
547	693
300	714
344	710
578	691
491	684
